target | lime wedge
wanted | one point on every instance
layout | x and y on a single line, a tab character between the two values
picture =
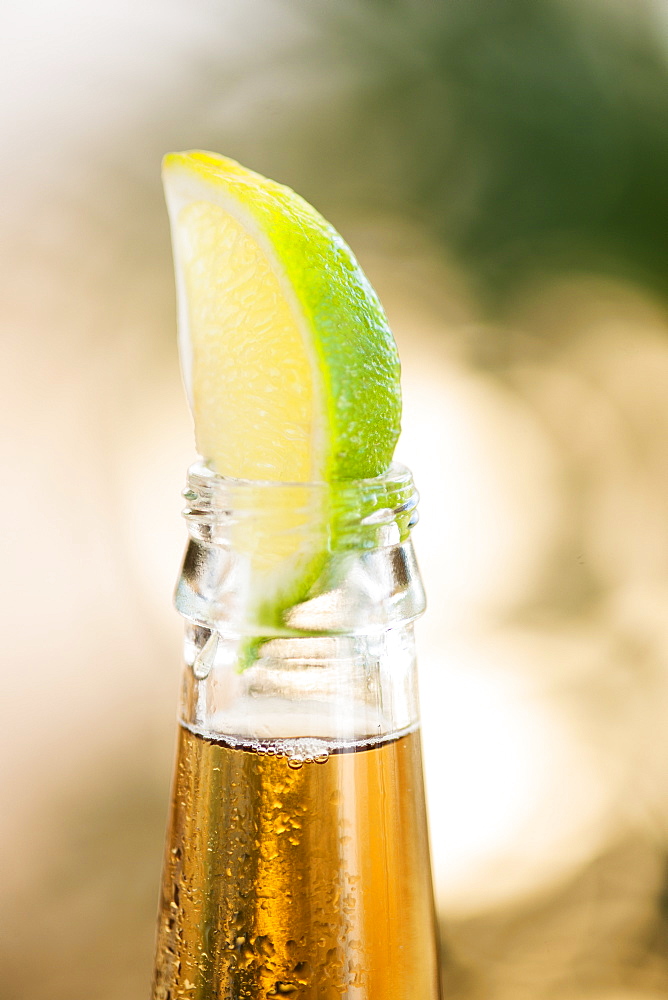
288	360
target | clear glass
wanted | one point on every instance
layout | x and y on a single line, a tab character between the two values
297	860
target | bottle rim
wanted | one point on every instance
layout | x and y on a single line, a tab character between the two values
359	503
351	537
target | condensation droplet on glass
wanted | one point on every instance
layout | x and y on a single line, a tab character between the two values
204	660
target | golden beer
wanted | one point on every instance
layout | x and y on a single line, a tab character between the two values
292	877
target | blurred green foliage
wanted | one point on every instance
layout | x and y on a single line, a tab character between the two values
529	135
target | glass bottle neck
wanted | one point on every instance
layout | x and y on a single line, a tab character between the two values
339	692
287	559
298	860
324	663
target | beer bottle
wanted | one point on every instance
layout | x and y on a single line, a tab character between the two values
297	858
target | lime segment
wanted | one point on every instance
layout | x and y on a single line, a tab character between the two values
291	368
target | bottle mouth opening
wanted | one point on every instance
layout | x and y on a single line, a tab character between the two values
390	498
201	471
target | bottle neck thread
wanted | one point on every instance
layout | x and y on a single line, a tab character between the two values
363	514
275	559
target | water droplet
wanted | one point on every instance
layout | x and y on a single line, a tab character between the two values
302	972
321	758
295	763
204	660
265	946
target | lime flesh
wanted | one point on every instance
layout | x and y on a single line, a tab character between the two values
289	362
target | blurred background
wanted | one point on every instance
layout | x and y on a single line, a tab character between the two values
501	172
